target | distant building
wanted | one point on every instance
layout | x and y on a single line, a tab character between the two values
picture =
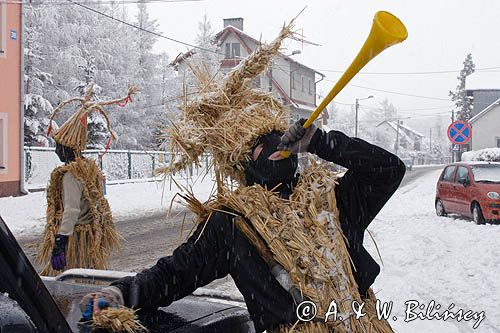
11	74
486	127
407	137
482	98
291	82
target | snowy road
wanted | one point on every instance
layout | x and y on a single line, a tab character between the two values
148	233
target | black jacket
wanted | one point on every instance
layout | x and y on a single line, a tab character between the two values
373	176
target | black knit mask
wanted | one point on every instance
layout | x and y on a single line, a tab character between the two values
269	173
65	154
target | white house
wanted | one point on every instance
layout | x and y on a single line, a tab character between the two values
291	82
486	127
406	137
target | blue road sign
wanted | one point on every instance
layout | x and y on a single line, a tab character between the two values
459	132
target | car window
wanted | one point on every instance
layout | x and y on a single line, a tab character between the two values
462	175
448	173
486	173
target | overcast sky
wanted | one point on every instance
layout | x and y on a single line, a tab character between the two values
440	34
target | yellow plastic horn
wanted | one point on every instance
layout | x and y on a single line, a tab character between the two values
387	30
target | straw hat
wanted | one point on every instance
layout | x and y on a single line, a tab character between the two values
73	133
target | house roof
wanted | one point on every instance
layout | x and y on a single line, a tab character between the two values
482	80
242	35
394	127
405	128
411	130
485	111
304	106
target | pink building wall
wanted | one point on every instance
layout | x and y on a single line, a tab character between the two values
10	98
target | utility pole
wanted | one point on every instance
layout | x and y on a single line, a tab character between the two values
430	140
356	122
397	138
452	144
357	108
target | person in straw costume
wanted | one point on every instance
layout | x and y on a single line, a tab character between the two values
80	231
282	237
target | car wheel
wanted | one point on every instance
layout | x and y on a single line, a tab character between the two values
440	208
477	214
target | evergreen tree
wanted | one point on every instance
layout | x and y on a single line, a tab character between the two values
204	60
37	109
207	55
389	111
69	46
463	103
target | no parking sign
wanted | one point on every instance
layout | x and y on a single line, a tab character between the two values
459	132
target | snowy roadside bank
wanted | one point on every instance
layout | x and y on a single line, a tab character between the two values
446	259
26	215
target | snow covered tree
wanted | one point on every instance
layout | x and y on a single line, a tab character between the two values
341	119
333	114
69	46
207	54
204	59
389	111
37	109
463	103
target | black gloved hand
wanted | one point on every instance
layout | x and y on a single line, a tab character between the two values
58	259
297	138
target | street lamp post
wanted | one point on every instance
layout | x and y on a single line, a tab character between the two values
357	108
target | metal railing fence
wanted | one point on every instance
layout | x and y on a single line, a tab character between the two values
115	164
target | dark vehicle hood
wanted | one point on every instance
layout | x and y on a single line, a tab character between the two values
191	314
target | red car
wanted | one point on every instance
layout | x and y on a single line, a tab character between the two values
470	189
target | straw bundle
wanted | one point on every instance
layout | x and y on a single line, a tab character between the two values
73	133
303	234
91	244
121	319
228	116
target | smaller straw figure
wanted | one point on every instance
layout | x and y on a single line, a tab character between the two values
80	230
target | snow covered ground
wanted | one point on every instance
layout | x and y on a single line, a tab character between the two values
425	257
26	215
446	259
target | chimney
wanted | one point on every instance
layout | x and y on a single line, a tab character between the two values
236	22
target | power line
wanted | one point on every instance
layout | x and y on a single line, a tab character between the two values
139	28
105	2
397	93
386	91
410	73
414	117
208	50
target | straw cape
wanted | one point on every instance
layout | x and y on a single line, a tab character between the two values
91	243
302	233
